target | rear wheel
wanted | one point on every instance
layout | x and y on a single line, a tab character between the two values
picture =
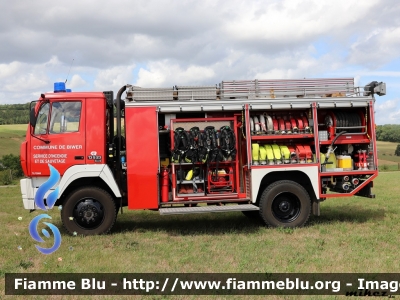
285	203
88	211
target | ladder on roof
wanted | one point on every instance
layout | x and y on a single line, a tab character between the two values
288	88
249	89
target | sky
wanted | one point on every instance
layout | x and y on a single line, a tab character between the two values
102	45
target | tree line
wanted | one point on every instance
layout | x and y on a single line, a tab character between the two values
388	133
14	113
19	114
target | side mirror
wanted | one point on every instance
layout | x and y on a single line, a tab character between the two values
32	116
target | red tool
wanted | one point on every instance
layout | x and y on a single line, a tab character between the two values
301	152
306	127
276	127
282	125
288	126
362	160
164	185
294	125
308	152
300	122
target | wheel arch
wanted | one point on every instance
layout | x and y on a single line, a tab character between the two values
82	182
297	176
88	175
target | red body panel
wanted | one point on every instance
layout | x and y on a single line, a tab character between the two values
95	131
69	148
142	157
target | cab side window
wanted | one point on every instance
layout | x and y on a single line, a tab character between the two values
65	117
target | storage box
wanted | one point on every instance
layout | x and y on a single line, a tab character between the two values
344	161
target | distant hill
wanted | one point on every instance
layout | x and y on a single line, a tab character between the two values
19	114
14	113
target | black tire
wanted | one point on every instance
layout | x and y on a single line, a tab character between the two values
88	211
285	203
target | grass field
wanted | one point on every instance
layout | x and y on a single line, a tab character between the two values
351	235
387	159
11	137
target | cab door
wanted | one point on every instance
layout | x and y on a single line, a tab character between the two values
58	137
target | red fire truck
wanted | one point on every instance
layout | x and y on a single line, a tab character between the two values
273	149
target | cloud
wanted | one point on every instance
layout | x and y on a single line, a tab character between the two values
18	81
379	47
151	43
76	82
387	112
113	78
165	73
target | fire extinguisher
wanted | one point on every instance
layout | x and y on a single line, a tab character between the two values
164	185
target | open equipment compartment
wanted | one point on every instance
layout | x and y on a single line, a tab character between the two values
348	158
203	171
282	137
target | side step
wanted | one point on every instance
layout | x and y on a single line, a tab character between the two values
206	209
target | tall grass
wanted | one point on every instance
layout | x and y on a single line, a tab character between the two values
351	235
11	137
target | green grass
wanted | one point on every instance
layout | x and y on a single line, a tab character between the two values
11	137
351	235
387	161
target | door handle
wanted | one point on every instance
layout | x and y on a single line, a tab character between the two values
79	157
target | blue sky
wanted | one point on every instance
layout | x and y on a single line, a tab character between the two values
165	43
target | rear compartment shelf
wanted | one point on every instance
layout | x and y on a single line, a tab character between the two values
188	176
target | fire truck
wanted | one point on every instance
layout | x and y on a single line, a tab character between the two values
272	149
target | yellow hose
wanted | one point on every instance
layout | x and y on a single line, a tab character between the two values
263	155
285	152
255	149
277	151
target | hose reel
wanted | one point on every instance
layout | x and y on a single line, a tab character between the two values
339	121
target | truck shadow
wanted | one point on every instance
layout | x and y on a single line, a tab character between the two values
222	223
214	224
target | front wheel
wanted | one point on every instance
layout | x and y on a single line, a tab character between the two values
285	203
88	211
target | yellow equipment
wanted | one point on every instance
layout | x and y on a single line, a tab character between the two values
255	150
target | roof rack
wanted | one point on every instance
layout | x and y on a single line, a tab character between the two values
249	89
288	88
